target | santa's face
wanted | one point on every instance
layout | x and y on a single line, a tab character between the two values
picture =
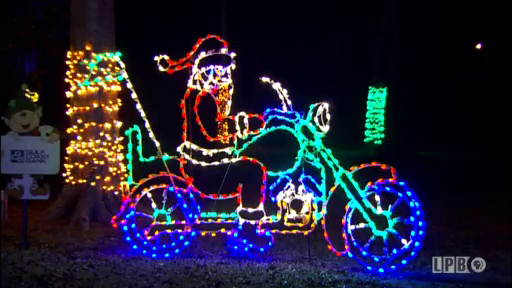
213	77
25	120
212	71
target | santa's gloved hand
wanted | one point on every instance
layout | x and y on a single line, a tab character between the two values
242	127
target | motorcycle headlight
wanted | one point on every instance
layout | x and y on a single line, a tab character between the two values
322	117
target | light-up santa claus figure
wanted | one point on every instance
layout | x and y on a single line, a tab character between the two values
210	131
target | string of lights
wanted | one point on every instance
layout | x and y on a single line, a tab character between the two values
93	143
87	73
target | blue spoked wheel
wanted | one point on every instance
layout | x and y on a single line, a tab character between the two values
158	221
248	239
402	225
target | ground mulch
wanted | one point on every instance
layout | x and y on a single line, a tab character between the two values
60	256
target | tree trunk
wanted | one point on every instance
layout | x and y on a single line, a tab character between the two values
92	24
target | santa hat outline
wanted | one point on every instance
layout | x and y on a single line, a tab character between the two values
187	61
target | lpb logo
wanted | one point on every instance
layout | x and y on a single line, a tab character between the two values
457	264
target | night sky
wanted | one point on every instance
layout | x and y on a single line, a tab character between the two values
442	91
424	53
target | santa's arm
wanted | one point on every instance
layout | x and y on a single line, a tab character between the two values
241	124
245	123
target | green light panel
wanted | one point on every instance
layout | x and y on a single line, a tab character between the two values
375	115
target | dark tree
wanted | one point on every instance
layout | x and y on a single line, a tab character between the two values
92	25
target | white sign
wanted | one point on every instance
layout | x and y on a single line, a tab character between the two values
30	155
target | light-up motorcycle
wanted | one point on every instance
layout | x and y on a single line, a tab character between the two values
380	223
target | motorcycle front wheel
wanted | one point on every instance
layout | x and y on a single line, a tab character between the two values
404	232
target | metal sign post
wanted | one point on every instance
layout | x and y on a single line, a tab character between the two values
26	184
24	241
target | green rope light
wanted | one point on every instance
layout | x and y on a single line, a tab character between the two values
375	115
